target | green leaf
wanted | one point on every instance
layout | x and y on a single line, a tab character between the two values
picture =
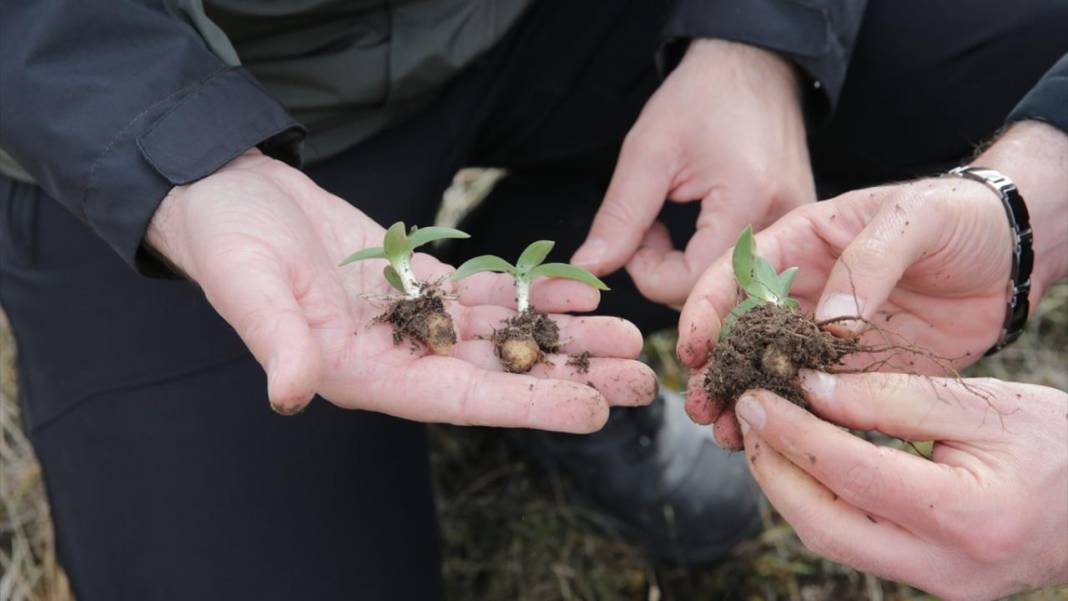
732	317
396	244
393	278
742	258
570	272
791	302
423	235
534	255
368	253
480	264
767	280
786	280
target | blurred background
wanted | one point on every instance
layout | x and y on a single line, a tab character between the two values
512	532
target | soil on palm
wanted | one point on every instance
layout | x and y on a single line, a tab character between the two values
765	349
525	339
422	319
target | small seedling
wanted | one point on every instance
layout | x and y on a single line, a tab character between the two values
421	314
526	337
766	339
758	278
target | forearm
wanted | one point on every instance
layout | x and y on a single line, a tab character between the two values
1035	156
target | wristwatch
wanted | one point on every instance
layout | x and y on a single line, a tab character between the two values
1023	256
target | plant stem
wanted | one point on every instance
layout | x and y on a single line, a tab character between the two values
522	294
407	277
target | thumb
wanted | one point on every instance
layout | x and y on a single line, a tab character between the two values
870	267
257	300
635	195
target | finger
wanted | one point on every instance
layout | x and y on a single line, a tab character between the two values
827	525
549	295
667	276
623	382
727	432
257	300
713	297
911	407
635	195
451	390
871	265
917	494
600	336
701	409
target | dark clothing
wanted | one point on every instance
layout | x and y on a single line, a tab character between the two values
168	475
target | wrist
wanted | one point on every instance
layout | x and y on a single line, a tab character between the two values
749	65
1035	156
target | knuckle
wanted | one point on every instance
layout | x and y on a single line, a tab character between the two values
996	537
864	483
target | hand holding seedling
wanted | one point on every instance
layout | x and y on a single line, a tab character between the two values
725	129
263	241
985	517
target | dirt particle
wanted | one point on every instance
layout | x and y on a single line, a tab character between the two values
870	519
811	458
580	361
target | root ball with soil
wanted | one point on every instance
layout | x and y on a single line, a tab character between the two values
525	339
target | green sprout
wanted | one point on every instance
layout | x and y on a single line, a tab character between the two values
529	267
758	278
397	247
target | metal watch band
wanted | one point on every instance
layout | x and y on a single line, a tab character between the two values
1023	256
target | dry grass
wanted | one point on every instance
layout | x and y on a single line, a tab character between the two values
511	532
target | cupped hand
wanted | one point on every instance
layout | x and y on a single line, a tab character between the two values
925	264
725	129
264	242
986	517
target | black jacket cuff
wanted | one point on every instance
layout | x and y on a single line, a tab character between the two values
817	36
187	137
1048	100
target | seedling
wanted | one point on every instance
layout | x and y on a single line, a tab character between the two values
758	278
526	338
766	339
420	315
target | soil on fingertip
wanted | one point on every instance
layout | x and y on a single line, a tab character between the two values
765	349
525	339
580	361
423	320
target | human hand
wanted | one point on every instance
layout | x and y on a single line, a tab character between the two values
263	241
986	517
725	129
927	261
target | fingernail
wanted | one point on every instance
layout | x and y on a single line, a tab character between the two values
817	383
841	305
750	413
590	253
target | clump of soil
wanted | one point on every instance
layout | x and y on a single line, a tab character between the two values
422	319
580	361
765	349
524	340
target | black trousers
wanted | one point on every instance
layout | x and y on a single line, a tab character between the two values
168	475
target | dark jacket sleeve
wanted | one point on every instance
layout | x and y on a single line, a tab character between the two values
108	104
816	35
1047	101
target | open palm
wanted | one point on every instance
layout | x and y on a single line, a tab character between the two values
263	241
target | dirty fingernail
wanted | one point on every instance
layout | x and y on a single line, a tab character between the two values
839	305
590	253
817	383
750	413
